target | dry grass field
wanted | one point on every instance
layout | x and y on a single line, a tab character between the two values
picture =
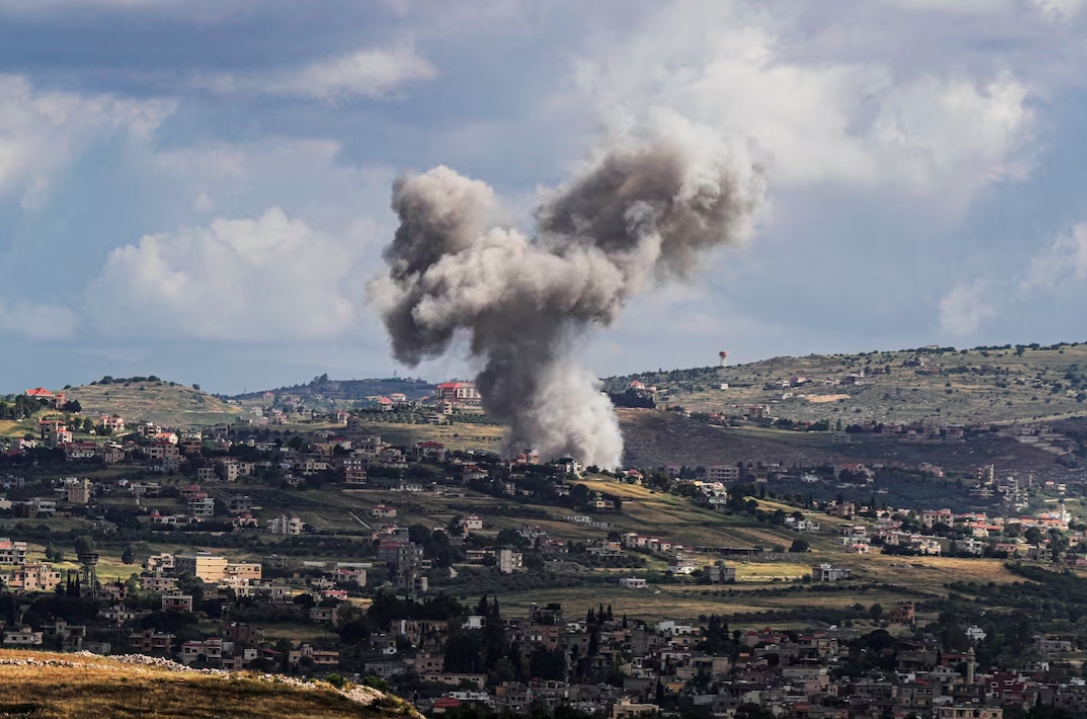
85	687
162	403
973	385
454	436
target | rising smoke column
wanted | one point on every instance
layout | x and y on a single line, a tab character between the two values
642	211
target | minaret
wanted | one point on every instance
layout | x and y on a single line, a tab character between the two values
971	663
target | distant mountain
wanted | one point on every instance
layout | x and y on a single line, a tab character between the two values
347	390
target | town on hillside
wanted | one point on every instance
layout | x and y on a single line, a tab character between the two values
312	544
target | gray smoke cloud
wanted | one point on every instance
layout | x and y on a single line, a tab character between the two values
642	212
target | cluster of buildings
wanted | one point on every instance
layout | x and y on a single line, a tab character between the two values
449	398
165	577
670	666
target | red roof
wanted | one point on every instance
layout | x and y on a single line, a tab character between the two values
39	392
446	703
453	385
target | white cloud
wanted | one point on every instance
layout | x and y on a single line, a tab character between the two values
964	309
40	131
1060	10
307	178
37	321
820	109
1063	261
370	72
365	73
260	279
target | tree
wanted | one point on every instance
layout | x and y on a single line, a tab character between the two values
84	544
129	555
876	611
799	546
72	406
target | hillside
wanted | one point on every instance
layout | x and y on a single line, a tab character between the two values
656	438
168	404
322	391
65	685
946	385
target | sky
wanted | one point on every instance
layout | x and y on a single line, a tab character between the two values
200	190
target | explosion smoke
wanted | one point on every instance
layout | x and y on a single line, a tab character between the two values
640	212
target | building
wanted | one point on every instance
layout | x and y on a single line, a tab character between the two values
114	423
159	562
383	511
209	651
40	577
720	573
723	473
177	602
904	613
244	570
828	573
402	555
283	524
632	583
158	584
319	657
509	561
22	637
202	508
970	711
151	641
12	552
625	708
78	491
458	393
207	567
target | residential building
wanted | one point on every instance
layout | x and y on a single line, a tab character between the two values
209	568
177	603
12	552
78	491
291	526
509	561
158	584
828	573
723	473
22	637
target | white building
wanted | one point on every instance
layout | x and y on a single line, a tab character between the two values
286	525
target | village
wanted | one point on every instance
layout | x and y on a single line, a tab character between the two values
258	587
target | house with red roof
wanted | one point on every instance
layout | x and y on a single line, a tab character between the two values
459	393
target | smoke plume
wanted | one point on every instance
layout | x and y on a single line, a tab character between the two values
642	212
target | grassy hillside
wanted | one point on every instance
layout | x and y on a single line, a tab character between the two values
981	385
656	438
454	436
323	390
159	402
62	685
